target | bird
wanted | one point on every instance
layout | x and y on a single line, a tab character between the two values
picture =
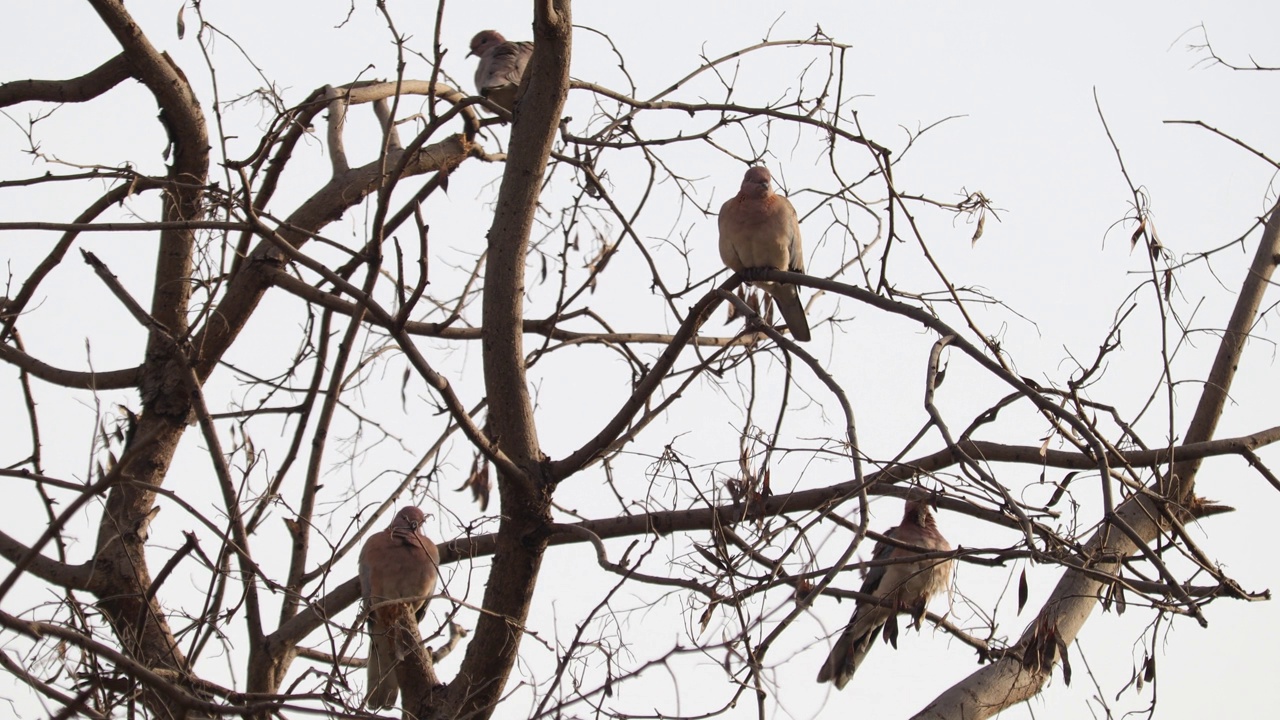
501	66
905	586
399	563
760	229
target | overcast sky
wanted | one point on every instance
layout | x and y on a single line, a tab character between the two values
1016	84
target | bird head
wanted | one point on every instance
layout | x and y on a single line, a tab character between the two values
484	40
756	181
408	517
917	512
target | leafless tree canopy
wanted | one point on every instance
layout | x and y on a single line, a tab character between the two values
329	353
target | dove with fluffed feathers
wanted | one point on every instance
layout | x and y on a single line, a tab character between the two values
501	67
399	563
905	586
760	229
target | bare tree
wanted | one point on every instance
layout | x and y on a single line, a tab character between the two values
322	382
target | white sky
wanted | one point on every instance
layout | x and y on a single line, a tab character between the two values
1019	79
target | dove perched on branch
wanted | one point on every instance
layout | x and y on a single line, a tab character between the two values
760	229
501	66
397	564
903	586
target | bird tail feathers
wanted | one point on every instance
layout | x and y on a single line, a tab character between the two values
383	686
846	656
788	301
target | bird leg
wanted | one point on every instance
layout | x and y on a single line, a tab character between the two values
917	613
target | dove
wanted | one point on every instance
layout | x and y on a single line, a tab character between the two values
905	586
399	563
760	229
501	66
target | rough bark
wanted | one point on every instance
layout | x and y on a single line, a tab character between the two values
525	497
121	577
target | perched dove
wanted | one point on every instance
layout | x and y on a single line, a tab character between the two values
906	586
501	66
397	563
760	229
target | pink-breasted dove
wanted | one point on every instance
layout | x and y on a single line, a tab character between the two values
501	66
760	229
905	586
399	563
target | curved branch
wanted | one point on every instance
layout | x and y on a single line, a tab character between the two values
326	205
109	380
86	87
71	577
1008	682
881	483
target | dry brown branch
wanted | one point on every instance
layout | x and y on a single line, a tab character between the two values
304	309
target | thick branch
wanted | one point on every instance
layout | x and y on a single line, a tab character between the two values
109	380
880	483
71	577
1007	682
525	495
86	87
122	579
328	204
